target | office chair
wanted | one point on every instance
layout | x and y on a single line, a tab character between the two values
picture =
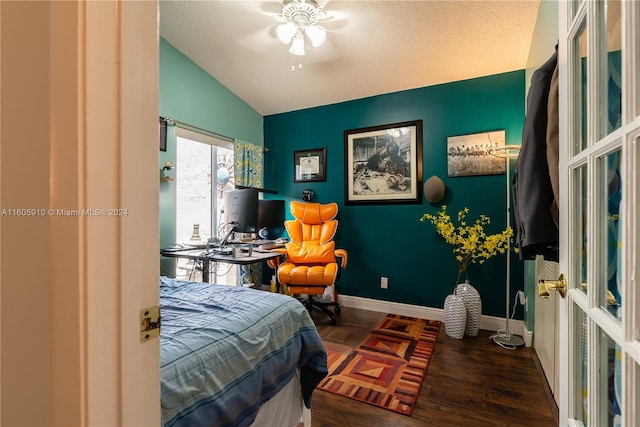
311	260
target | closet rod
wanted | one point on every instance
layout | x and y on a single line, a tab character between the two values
187	126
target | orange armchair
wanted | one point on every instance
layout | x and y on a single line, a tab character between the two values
311	260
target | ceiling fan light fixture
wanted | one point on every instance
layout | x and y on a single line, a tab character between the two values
297	45
316	34
286	32
300	18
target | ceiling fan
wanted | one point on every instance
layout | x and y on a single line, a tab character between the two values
301	18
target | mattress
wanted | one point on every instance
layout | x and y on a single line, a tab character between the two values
226	350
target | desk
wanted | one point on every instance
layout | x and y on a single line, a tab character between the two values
208	255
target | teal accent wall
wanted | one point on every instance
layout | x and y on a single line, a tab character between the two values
389	240
167	202
190	95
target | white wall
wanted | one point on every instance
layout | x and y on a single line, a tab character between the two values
545	38
542	47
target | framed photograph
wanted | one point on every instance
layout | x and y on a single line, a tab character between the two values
383	164
469	155
310	165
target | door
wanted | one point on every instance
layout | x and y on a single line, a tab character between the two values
104	156
599	137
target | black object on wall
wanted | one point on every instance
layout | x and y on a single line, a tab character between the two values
163	134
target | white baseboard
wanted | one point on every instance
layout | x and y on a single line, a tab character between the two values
489	323
527	336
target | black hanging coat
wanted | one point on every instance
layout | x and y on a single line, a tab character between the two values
536	232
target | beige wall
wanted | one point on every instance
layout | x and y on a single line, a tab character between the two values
24	183
78	130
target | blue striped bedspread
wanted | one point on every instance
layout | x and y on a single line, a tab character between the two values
225	350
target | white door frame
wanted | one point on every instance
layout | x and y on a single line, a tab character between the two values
122	262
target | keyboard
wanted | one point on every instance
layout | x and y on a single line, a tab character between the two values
272	245
261	242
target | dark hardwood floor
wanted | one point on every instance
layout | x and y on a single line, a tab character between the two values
470	382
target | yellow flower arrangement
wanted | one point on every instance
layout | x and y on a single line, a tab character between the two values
471	244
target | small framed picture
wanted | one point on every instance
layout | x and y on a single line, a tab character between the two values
310	165
469	155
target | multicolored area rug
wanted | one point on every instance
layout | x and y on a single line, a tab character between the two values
388	368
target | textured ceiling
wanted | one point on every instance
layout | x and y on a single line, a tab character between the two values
372	47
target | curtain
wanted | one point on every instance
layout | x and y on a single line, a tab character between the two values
248	168
171	135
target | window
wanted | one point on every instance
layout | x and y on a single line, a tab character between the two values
204	171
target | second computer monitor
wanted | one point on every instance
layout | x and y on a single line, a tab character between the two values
270	218
241	210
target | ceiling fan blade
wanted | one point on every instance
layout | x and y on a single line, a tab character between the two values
322	3
271	8
260	40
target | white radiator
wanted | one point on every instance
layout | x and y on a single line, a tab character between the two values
546	327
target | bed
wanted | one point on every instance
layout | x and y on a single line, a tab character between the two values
234	356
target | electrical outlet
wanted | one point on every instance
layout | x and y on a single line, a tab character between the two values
384	282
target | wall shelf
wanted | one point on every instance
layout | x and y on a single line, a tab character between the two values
262	190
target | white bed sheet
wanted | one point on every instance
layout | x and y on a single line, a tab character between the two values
286	408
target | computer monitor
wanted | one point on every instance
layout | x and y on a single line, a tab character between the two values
270	218
241	210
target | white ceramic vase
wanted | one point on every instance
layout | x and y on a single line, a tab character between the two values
473	306
455	316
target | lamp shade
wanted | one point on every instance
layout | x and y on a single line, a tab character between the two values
286	32
297	46
316	34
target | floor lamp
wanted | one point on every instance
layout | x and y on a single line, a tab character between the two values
505	339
